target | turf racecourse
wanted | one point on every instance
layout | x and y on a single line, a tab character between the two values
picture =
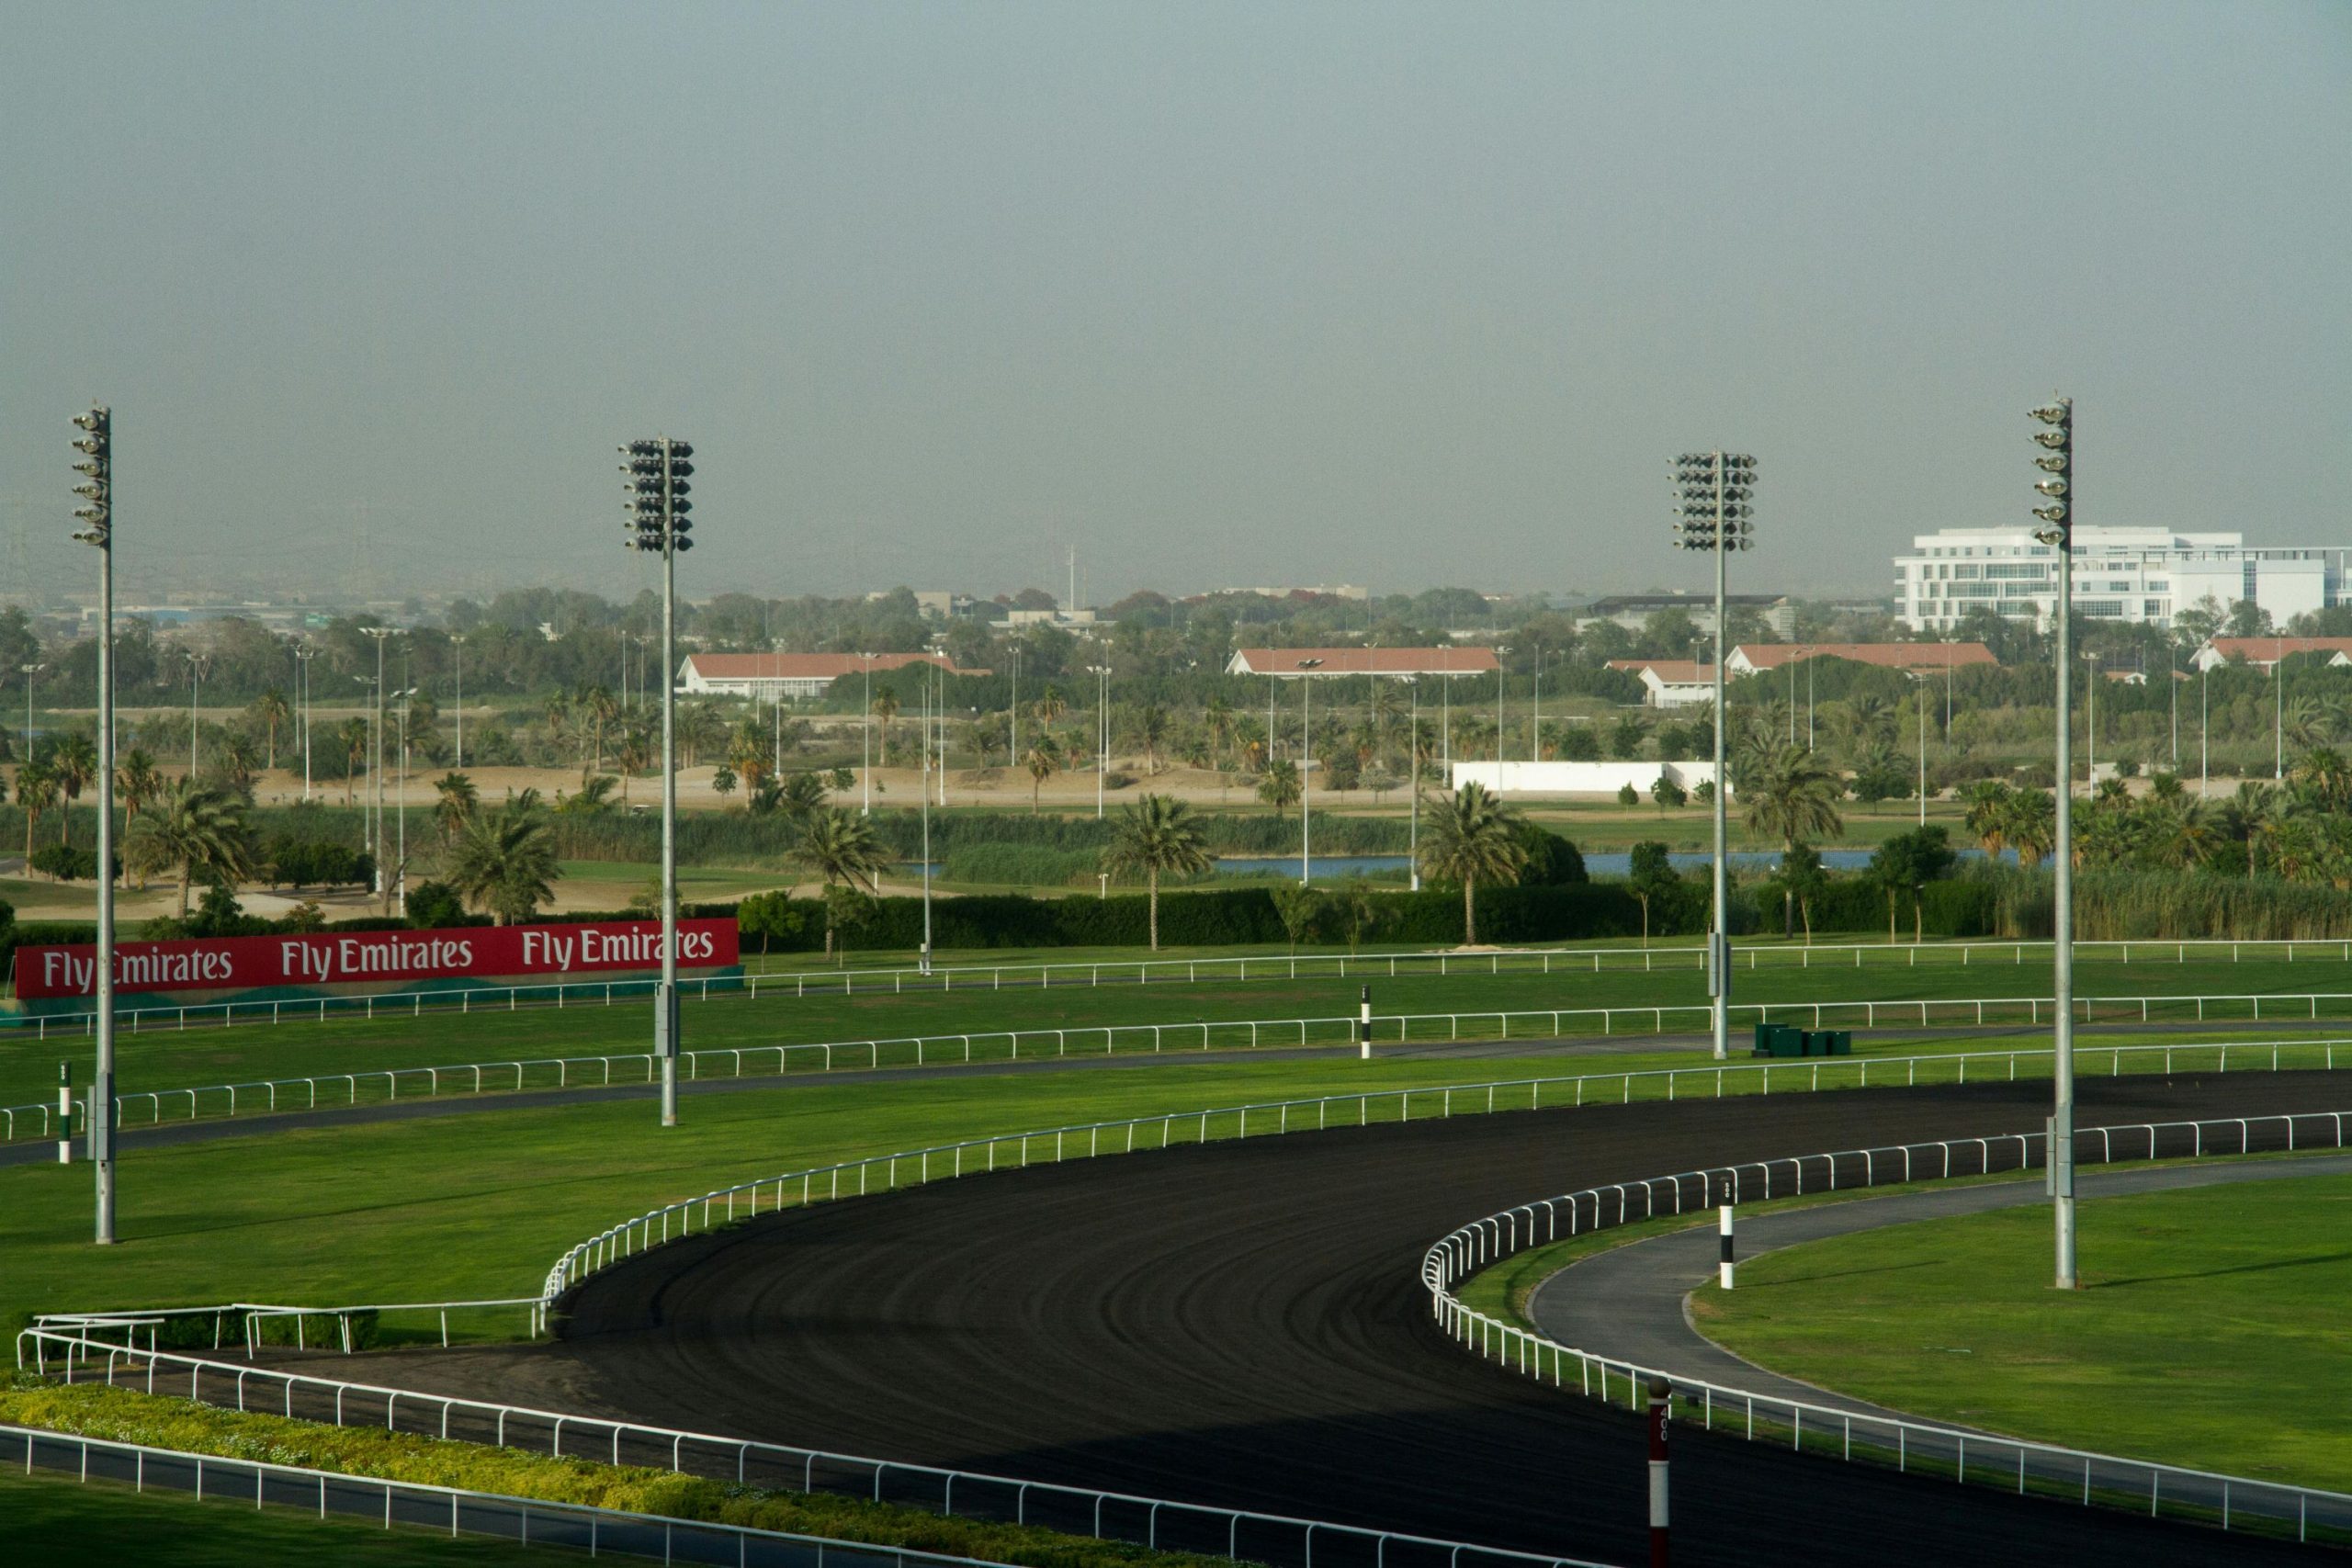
165	1058
2207	1329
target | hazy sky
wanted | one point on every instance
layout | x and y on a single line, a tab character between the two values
1221	295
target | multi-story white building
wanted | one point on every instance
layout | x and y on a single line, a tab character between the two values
2121	574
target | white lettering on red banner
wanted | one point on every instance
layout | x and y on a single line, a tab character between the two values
337	958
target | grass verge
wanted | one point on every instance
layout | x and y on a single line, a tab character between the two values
121	1415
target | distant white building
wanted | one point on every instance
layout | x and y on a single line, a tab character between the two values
768	676
2262	652
1578	778
1633	611
1325	662
1671	682
2121	574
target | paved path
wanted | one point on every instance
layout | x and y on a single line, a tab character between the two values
1631	1302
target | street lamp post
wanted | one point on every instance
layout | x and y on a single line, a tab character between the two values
1305	754
2204	757
29	671
1921	698
1413	759
1713	514
302	656
925	955
400	806
657	507
195	663
1102	673
97	516
375	765
2057	515
865	740
2279	713
1499	650
458	641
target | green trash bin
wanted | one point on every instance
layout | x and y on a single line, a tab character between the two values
1841	1043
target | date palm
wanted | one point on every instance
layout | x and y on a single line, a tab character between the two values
1044	755
1049	706
839	845
504	862
748	754
456	800
885	708
2031	826
1472	838
596	702
36	796
1156	834
1278	786
636	749
270	710
192	829
1988	815
1148	730
136	782
239	758
74	763
352	735
2247	818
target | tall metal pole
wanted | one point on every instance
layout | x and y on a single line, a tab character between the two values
98	446
926	827
1101	732
865	740
2279	720
195	685
459	642
1719	971
30	670
1306	752
2059	514
1413	751
666	1002
376	769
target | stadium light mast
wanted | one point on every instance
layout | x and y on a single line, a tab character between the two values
657	508
97	516
375	765
1711	490
2057	515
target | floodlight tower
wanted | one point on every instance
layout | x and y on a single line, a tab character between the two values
1711	490
2057	531
97	516
657	508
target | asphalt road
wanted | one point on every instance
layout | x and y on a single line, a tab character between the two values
1243	1324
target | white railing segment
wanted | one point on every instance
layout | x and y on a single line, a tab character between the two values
2014	1463
384	1085
1158	1524
526	1521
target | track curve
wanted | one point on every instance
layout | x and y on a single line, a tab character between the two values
1242	1323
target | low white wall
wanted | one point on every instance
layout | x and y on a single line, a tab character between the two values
1578	778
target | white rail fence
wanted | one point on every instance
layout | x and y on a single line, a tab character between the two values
1043	975
1159	1524
2017	1464
383	1084
443	1509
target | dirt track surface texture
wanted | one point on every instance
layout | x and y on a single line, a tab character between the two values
1243	1324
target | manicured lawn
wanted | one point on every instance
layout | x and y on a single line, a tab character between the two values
162	1058
57	1519
479	1206
2209	1333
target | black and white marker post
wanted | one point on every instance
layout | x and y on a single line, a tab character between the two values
1723	1227
1364	1025
1659	1397
65	1113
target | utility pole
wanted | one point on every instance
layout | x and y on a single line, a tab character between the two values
657	508
1713	488
2057	515
458	641
97	516
1305	754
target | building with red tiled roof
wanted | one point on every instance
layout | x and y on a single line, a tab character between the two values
2262	652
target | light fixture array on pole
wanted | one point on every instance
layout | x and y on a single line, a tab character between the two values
2057	532
1712	514
657	471
96	465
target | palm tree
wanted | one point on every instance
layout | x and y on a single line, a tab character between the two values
803	795
839	845
35	794
636	751
72	763
699	725
1050	706
194	829
2248	817
596	702
239	759
353	733
1219	717
1793	798
2031	826
2327	773
1278	786
457	799
885	708
1149	731
270	710
1157	834
1472	838
1989	809
1045	755
748	754
504	862
137	781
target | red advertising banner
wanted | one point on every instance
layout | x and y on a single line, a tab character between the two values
341	958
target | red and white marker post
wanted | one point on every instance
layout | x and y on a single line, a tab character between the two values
1659	1399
